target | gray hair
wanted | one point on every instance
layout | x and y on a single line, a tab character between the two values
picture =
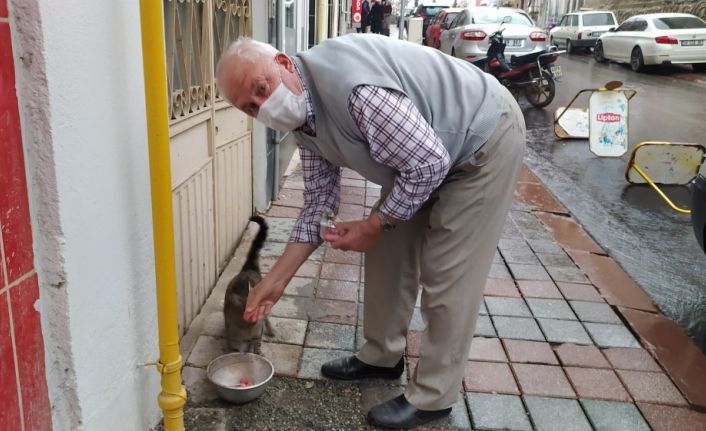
242	52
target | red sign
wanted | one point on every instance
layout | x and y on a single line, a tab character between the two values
357	11
608	117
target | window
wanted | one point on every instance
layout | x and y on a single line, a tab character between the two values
496	17
626	26
456	20
437	17
289	14
639	25
563	21
574	20
526	16
450	17
290	27
430	10
679	22
598	19
461	19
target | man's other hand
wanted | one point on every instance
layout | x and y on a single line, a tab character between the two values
357	235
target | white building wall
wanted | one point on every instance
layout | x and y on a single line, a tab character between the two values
260	28
259	132
81	93
85	137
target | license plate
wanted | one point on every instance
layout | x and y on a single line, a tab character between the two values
515	43
556	71
597	33
697	42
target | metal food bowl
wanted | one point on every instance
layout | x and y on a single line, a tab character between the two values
226	372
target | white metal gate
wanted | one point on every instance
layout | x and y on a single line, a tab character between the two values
210	146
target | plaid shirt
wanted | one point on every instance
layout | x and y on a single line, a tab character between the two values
398	137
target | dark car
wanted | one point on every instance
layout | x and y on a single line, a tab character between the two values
427	12
698	209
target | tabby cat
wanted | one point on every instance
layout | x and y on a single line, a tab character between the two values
244	336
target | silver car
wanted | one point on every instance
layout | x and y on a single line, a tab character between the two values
467	36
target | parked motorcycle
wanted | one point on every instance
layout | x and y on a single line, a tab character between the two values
531	75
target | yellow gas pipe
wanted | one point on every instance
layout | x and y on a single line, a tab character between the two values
173	395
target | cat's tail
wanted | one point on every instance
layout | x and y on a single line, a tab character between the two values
251	263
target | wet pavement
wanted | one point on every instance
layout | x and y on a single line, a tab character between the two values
288	404
655	245
565	339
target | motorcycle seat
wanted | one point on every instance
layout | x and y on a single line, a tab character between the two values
527	58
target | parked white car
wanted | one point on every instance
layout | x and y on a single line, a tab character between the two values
662	38
581	29
467	35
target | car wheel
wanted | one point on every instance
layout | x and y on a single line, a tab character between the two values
598	52
637	62
699	67
569	47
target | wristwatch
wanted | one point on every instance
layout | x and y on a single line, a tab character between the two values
385	222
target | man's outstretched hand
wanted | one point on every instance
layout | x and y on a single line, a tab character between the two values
267	292
357	235
261	300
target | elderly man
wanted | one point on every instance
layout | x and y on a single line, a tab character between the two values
445	141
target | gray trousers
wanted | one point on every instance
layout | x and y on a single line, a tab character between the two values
448	248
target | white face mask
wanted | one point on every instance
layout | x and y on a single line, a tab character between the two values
283	110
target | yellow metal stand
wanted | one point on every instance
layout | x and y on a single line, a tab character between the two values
610	86
658	190
673	164
173	395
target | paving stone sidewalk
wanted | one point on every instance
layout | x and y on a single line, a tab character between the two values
558	345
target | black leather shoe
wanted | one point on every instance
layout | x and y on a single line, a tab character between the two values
352	368
398	413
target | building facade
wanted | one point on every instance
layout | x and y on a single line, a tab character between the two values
78	324
550	11
546	12
624	9
24	398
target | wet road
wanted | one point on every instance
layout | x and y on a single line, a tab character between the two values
655	245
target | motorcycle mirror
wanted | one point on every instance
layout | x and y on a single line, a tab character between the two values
507	19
